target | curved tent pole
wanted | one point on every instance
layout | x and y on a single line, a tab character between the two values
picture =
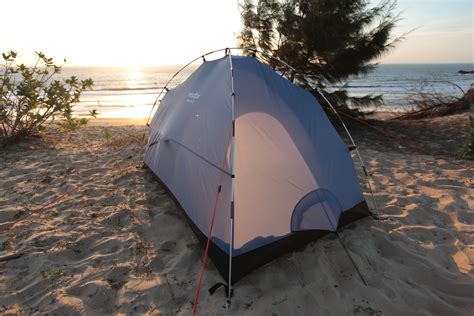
177	73
367	174
227	51
166	88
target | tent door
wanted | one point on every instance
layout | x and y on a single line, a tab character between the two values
317	210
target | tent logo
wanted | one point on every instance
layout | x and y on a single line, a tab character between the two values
192	97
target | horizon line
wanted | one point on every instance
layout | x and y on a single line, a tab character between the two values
179	65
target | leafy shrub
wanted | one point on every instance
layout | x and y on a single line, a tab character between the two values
107	133
29	97
468	152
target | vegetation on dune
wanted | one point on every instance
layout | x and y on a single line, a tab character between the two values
468	152
326	41
30	96
428	103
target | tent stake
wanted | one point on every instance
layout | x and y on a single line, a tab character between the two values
350	257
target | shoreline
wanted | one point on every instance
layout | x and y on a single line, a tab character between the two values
117	121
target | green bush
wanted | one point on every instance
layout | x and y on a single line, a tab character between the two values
30	96
468	153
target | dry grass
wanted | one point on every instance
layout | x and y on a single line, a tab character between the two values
428	102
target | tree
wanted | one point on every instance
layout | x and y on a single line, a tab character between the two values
327	41
29	97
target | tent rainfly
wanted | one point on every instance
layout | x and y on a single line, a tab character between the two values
239	138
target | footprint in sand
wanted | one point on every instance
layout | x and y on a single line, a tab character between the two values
98	296
117	277
168	246
119	219
157	264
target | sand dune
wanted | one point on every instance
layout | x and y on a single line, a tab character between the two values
117	244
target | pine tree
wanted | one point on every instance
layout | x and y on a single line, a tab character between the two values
327	41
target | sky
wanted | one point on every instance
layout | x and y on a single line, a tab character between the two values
135	33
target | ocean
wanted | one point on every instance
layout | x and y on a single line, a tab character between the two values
131	92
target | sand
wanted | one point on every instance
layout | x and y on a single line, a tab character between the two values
115	242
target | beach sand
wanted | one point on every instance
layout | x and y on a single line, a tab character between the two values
115	242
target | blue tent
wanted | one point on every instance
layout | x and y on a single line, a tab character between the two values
238	137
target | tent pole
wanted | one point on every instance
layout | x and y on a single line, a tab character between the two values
232	157
227	50
178	72
367	174
166	87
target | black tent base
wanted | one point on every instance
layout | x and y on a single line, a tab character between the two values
245	263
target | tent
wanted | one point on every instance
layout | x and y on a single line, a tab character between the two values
238	142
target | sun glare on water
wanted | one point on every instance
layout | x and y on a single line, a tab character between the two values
134	77
126	93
